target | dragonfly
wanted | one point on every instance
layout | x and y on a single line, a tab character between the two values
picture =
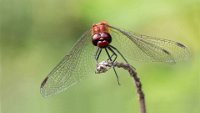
80	62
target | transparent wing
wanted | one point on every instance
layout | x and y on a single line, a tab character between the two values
146	48
78	64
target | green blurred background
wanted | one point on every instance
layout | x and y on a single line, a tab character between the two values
36	34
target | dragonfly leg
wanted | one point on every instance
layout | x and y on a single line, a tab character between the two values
112	47
113	54
98	52
113	67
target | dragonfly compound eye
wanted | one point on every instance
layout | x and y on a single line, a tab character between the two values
106	36
101	39
95	39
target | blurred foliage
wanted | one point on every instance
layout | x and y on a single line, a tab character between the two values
36	34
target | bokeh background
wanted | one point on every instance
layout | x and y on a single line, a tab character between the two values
36	34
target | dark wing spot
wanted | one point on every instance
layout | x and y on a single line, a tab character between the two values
180	45
165	51
44	82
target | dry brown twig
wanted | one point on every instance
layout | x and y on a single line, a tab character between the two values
106	65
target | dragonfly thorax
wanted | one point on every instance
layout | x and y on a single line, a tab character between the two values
101	40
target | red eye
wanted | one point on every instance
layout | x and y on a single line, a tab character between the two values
96	38
106	36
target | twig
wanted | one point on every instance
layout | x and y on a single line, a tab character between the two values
105	65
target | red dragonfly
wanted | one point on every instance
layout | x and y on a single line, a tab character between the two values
102	37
